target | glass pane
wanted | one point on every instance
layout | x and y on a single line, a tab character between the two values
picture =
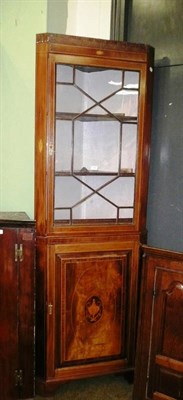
96	111
95	181
64	73
98	83
69	191
129	148
96	146
63	153
120	192
124	102
131	80
71	100
63	215
126	213
95	208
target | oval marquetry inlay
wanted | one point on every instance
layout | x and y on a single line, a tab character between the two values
93	309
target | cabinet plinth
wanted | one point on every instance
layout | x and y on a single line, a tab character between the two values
93	115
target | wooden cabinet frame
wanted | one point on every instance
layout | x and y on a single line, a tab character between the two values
110	244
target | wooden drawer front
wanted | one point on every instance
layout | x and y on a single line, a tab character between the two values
91	302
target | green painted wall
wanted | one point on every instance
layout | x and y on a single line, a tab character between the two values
20	21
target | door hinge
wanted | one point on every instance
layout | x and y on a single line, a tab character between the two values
18	377
18	252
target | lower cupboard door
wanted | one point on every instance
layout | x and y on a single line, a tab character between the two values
91	301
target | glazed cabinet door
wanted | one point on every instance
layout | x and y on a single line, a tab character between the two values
92	134
160	343
89	310
95	147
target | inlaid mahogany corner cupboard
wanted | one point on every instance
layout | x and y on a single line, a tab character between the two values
93	117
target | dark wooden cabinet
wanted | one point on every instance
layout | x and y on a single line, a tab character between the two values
159	363
16	306
93	117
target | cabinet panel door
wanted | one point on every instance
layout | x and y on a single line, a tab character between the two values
17	312
159	359
9	284
166	368
91	295
26	311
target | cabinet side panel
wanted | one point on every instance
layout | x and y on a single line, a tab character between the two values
146	129
40	137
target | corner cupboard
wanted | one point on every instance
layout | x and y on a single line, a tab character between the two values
93	117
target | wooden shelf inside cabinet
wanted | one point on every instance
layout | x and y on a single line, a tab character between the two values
95	117
94	222
95	173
